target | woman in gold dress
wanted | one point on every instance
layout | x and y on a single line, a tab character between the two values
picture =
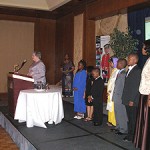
110	89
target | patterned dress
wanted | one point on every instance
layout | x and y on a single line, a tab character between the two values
67	79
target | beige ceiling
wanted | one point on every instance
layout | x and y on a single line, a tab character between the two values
34	4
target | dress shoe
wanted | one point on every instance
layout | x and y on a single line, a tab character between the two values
79	117
126	139
96	124
119	133
75	117
114	130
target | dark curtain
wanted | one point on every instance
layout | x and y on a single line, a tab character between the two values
136	23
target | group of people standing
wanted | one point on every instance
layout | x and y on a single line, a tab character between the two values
123	93
88	89
128	93
129	99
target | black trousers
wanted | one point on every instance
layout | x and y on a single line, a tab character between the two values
131	113
98	112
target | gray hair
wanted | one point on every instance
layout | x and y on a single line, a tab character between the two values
37	54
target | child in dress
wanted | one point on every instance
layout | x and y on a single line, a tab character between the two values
79	85
89	105
110	88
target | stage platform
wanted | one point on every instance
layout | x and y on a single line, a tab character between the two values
71	134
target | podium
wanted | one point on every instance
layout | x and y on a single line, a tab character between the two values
16	83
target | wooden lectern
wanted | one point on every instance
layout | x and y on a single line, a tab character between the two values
16	83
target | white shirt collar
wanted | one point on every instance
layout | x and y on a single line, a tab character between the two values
97	77
121	70
131	67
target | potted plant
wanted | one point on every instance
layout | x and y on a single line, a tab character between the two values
122	43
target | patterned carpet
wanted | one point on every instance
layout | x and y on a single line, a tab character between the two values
6	142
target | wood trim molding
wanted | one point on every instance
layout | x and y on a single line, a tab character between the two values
104	7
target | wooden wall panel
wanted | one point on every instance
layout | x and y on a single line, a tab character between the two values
45	42
89	52
64	41
107	7
55	38
78	39
17	18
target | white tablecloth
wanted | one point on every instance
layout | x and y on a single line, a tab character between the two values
36	108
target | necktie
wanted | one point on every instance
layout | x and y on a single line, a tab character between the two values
118	74
127	72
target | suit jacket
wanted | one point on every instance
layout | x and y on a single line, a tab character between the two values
119	86
131	87
97	90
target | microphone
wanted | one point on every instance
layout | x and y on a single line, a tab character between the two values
23	63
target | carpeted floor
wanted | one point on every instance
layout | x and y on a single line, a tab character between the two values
6	142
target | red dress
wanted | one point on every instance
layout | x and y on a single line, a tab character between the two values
105	65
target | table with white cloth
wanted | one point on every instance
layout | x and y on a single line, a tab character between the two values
37	107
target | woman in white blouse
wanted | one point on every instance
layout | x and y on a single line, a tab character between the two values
142	132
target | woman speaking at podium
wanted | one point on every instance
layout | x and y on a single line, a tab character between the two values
37	69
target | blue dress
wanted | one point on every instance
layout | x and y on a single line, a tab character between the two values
80	84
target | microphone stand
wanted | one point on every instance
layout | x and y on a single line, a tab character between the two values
23	63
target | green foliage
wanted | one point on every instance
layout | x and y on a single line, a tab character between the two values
122	43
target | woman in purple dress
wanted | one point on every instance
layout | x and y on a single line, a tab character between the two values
67	76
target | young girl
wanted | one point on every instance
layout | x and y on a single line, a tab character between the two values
110	89
79	85
89	82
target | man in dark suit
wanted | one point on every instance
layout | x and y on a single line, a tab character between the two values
130	96
97	97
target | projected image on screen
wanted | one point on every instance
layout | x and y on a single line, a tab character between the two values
147	28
